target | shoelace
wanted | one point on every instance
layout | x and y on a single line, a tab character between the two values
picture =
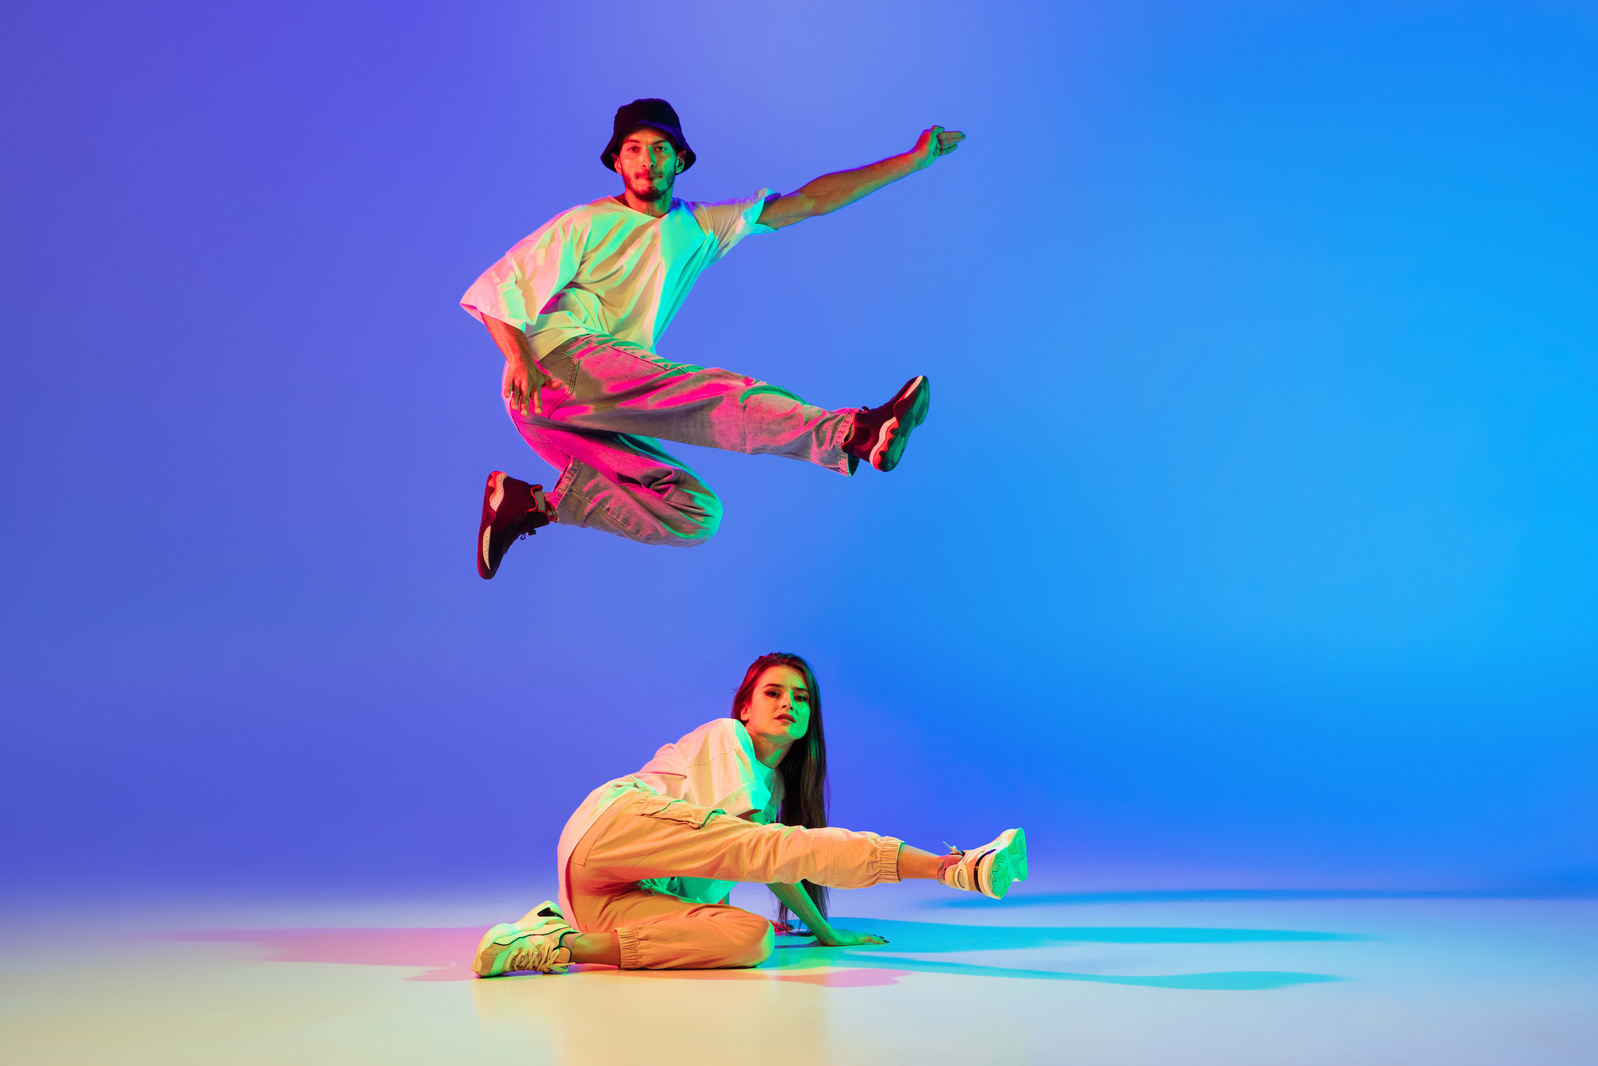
947	872
967	873
540	956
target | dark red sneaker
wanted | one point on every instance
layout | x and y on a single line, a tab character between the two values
511	509
880	433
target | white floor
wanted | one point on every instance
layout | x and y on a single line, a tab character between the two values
1170	980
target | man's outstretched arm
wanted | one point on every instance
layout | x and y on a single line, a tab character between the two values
832	191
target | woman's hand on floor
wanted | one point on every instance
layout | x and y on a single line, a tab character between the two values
847	938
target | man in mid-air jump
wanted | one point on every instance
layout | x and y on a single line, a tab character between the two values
577	308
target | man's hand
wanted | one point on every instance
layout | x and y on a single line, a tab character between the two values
846	938
524	379
523	384
934	143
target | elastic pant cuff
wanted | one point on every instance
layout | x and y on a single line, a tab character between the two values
888	860
631	955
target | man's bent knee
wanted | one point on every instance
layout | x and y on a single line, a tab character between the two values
694	523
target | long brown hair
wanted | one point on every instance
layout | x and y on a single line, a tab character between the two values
804	768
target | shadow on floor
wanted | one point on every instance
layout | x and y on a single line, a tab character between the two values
445	954
938	936
884	965
1190	895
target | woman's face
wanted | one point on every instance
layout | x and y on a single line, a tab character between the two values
779	710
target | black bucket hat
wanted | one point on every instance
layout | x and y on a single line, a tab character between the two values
657	115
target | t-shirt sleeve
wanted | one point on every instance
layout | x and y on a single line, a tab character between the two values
731	221
723	775
517	288
714	766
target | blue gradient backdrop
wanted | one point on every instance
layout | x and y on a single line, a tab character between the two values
1251	538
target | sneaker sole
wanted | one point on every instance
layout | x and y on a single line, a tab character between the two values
1009	863
895	433
493	496
488	941
531	922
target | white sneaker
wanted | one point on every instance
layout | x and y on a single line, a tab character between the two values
531	944
990	868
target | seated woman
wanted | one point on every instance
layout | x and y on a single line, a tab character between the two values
647	861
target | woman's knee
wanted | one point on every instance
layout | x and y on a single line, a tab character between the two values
751	939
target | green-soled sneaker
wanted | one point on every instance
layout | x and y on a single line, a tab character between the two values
880	433
532	944
990	868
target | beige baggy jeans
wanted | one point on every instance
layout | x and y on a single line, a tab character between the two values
605	410
644	835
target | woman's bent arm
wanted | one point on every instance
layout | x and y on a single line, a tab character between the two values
796	899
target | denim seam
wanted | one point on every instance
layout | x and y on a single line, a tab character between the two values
843	465
563	485
621	520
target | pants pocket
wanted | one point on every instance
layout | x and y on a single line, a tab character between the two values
559	365
674	810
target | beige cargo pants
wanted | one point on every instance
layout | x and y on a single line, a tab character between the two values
644	835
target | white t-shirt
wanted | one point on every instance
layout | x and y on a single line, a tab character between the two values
606	269
714	767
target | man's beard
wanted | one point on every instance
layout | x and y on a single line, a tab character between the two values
649	194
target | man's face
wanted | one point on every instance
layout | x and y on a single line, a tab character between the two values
648	164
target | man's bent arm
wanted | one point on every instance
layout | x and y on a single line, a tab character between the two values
524	378
832	191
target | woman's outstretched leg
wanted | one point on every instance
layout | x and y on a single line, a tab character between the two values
918	865
644	835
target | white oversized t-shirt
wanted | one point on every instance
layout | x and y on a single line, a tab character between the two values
608	270
714	767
